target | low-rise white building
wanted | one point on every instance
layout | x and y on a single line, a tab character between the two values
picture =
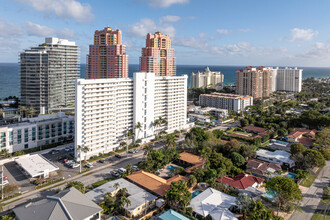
36	132
199	118
106	109
207	79
278	157
226	101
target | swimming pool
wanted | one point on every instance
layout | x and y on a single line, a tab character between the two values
270	194
196	193
171	167
114	218
291	175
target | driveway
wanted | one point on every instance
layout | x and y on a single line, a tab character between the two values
312	198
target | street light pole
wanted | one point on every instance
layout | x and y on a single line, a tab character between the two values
2	182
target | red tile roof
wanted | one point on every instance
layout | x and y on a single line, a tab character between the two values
241	181
301	131
254	128
260	167
306	141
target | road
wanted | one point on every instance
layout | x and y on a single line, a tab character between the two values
99	172
312	198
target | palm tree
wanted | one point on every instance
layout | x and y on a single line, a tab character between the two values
128	169
204	154
85	150
116	185
31	111
129	134
79	148
170	141
22	110
138	126
147	149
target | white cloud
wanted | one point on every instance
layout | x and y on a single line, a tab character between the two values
170	18
298	34
66	33
33	29
165	3
146	25
223	31
63	9
245	30
9	29
190	42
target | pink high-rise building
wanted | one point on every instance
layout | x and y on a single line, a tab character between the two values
158	56
107	56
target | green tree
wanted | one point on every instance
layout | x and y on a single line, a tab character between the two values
284	189
9	188
244	122
325	152
197	135
237	159
76	184
170	140
297	148
138	127
217	133
129	169
282	132
232	146
248	151
244	202
313	158
204	152
178	195
192	181
323	137
301	174
259	212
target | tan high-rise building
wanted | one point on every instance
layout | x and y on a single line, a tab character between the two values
254	81
107	56
158	56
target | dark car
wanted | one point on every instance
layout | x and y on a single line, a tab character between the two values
101	161
118	155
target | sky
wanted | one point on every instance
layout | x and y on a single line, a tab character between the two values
203	32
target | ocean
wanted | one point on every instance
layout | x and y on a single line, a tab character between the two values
10	79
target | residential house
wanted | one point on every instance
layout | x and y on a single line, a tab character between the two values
152	182
256	130
68	204
191	160
213	203
303	136
139	198
280	157
261	168
242	181
171	215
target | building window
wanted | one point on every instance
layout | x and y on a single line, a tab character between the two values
26	146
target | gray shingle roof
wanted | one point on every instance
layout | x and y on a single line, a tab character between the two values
68	204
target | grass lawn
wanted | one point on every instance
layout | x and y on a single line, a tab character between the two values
308	181
242	133
319	216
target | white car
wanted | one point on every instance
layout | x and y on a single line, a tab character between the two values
121	170
4	182
135	168
75	165
89	165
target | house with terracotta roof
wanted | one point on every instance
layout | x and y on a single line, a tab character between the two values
256	130
303	136
262	168
152	182
193	161
242	181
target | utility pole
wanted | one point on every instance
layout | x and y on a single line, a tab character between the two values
2	182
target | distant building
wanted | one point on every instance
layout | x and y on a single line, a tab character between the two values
107	57
68	204
36	132
254	81
200	118
237	103
47	75
207	79
287	79
158	56
106	109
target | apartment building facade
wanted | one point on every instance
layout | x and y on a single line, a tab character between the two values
237	103
287	79
158	56
207	79
36	132
106	109
107	57
47	75
254	81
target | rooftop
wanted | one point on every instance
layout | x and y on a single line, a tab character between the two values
193	159
226	96
261	167
301	131
36	165
68	204
213	202
241	181
153	182
280	155
137	195
172	215
255	128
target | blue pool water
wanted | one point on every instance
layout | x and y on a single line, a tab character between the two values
196	193
114	218
269	195
291	175
170	167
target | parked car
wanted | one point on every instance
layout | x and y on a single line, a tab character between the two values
115	174
121	170
131	151
89	165
67	148
55	152
135	168
4	182
75	165
101	161
118	155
